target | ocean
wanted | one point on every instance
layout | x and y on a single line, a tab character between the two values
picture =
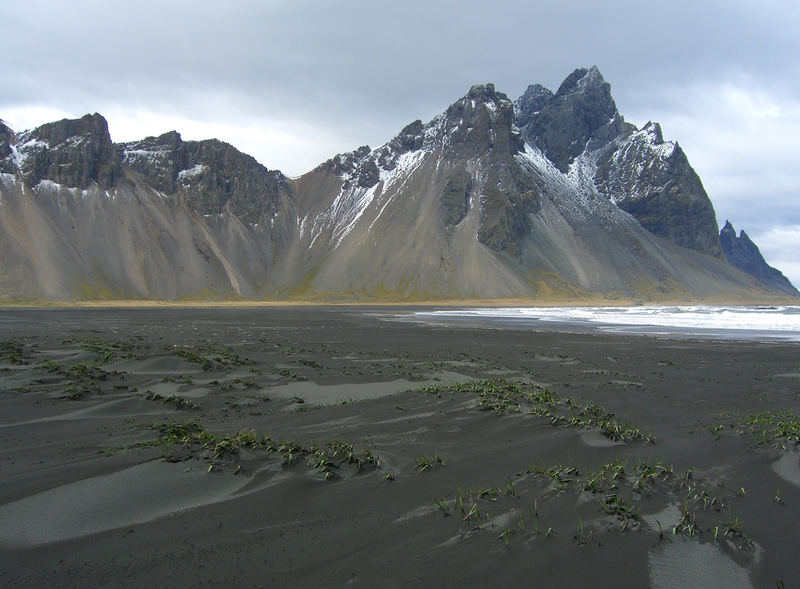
760	323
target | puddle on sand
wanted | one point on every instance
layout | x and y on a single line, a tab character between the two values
179	389
668	517
596	439
685	563
132	496
788	467
312	392
171	365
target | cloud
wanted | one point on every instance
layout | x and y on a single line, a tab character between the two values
779	246
741	139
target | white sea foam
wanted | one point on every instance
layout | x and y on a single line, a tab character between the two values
757	322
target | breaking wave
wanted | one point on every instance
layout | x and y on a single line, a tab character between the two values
753	322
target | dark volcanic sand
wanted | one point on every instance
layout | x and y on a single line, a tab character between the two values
83	503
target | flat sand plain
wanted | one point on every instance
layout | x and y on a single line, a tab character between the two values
307	447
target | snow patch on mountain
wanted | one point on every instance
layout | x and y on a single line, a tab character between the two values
187	175
353	200
23	150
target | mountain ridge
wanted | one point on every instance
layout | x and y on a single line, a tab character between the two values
551	195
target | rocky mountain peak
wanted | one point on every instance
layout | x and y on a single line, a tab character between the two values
479	123
584	80
743	254
654	131
581	115
159	159
70	152
531	102
485	92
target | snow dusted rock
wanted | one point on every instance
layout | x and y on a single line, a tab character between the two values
580	116
213	176
70	152
653	181
581	132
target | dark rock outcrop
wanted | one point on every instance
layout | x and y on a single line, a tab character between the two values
480	123
652	180
212	175
455	198
70	152
743	254
7	139
580	116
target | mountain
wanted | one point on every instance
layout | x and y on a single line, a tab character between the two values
742	253
552	196
82	218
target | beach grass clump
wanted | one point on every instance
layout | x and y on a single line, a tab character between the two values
105	351
286	373
648	475
425	463
310	363
82	377
504	396
328	456
324	457
13	353
77	371
563	477
619	489
171	400
775	428
190	356
621	508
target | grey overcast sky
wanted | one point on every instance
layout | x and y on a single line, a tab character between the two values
294	82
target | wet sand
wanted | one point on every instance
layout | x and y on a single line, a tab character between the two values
480	456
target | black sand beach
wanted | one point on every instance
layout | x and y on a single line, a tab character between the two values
307	447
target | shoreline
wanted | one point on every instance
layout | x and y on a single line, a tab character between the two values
488	303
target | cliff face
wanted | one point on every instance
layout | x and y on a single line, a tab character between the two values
212	175
72	153
554	196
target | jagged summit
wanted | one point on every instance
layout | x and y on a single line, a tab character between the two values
581	115
532	101
742	253
582	80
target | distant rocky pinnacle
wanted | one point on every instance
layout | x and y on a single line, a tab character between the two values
742	253
552	196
